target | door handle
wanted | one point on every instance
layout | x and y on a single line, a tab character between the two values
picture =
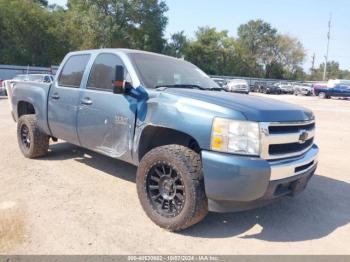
86	101
55	96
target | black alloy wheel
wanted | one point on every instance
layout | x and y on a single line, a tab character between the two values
25	136
165	189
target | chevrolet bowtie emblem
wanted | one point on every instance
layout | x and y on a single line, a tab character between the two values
304	135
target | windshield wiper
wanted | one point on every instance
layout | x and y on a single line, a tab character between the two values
181	86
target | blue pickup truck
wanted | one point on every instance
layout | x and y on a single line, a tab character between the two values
197	148
339	90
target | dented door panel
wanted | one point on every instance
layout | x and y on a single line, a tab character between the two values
107	125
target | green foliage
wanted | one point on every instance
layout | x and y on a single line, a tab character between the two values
35	33
279	55
30	34
177	45
257	40
213	51
333	72
208	51
136	24
259	51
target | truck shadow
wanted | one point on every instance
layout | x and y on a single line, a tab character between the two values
315	213
113	167
318	211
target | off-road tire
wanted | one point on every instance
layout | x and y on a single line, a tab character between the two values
39	141
187	164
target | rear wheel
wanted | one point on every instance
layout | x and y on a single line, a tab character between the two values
170	187
32	141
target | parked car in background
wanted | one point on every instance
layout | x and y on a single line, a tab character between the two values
270	88
43	78
2	87
303	89
238	86
220	81
257	86
335	91
286	88
318	86
11	83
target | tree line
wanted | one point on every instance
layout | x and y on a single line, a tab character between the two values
35	33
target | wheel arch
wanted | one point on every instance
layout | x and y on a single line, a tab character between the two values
25	108
155	136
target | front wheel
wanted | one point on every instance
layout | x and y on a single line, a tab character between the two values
170	187
322	95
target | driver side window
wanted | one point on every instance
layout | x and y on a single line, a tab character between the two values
102	73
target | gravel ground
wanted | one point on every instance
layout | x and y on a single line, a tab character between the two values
77	202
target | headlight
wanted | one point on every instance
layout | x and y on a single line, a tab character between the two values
238	137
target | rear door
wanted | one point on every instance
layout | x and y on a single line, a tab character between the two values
64	98
106	120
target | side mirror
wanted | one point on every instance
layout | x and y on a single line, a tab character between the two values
119	81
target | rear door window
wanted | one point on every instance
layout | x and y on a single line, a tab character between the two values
73	71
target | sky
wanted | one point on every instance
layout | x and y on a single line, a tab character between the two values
306	20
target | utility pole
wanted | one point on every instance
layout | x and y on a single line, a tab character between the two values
313	63
328	39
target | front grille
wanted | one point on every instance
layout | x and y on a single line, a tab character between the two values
283	140
279	149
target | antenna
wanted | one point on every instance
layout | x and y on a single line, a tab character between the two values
328	39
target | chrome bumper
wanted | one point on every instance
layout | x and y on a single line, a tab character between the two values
294	166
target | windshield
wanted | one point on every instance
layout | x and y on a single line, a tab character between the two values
156	70
20	77
220	82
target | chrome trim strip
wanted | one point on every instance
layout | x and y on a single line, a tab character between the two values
301	123
286	168
288	137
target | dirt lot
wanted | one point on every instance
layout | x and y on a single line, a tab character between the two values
77	202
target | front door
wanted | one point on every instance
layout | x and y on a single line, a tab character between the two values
106	120
64	97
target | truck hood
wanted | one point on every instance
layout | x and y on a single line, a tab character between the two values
254	108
